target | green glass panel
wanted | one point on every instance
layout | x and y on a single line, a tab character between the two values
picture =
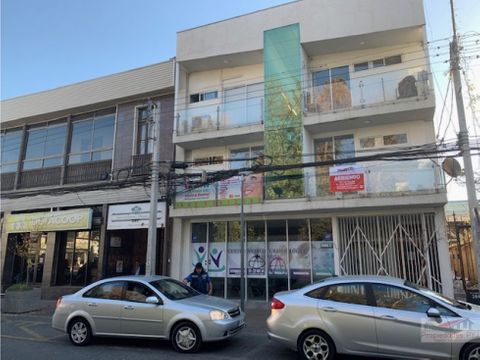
283	111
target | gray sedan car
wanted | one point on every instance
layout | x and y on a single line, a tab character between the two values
147	307
376	317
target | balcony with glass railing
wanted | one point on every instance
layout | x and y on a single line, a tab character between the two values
242	106
357	90
373	179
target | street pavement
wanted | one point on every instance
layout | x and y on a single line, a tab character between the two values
30	336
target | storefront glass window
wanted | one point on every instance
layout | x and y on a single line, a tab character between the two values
233	259
322	248
256	260
277	251
277	256
217	256
299	253
77	258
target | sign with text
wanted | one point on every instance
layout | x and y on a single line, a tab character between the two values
347	178
49	221
134	216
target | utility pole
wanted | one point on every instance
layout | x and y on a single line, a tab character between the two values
242	245
463	139
150	265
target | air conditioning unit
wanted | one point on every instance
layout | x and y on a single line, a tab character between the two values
202	122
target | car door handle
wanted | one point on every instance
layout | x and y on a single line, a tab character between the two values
128	307
92	304
388	317
329	309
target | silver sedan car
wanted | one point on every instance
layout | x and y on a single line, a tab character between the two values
147	307
376	317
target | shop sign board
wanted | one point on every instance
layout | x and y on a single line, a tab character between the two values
347	178
134	216
49	221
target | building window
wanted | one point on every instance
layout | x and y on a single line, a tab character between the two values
392	60
287	253
246	157
77	258
395	139
144	131
10	144
361	66
203	96
45	145
209	160
368	142
92	137
378	63
329	149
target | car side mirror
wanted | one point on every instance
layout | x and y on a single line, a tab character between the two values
152	300
433	313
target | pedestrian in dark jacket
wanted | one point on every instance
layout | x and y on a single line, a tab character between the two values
199	280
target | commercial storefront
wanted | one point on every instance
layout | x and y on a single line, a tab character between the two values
61	251
126	238
51	248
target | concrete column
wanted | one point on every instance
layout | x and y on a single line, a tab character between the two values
178	252
48	270
103	242
336	255
3	242
443	253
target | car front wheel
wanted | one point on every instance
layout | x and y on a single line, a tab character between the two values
186	337
316	345
472	352
79	332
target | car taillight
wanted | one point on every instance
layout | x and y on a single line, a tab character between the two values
277	304
59	301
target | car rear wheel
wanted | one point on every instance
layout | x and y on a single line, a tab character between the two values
186	337
316	345
79	332
472	352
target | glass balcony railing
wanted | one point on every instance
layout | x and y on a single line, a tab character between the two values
367	179
242	106
362	90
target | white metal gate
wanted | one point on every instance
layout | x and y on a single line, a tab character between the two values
403	246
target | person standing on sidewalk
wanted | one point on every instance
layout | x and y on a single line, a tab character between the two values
199	280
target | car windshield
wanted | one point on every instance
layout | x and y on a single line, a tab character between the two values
173	289
437	296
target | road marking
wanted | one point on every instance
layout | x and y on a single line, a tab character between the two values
32	339
31	332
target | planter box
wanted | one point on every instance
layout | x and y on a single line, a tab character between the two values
22	301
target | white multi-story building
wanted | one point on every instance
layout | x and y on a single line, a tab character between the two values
309	81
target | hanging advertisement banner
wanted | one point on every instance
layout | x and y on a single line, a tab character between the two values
299	256
229	191
49	221
347	178
256	259
134	216
204	196
277	258
216	260
234	259
323	263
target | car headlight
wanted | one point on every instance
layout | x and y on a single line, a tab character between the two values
218	315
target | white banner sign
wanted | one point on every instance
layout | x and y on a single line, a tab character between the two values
134	216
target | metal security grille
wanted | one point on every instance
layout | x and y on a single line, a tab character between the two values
403	246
